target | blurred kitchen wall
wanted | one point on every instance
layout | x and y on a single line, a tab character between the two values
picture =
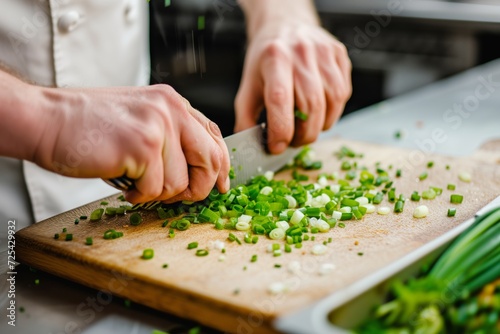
198	46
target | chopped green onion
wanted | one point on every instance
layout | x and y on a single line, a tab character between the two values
89	241
301	115
451	186
346	216
56	236
77	221
96	214
69	237
398	173
456	199
399	206
232	237
383	210
421	211
104	203
192	245
207	215
423	176
182	224
430	164
247	238
110	211
392	195
452	212
135	219
464	176
201	252
277	234
378	198
112	234
415	196
83	217
346	165
428	194
148	254
437	190
254	258
350	175
345	202
162	214
231	174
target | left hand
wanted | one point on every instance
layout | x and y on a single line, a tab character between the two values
292	65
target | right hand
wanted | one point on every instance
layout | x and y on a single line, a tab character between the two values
150	134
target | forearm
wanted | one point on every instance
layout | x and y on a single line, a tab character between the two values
259	13
22	119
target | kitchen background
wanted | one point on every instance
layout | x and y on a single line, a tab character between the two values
198	46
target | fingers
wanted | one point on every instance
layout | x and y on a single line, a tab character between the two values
184	153
205	159
309	96
335	73
277	75
148	181
342	58
248	102
334	102
223	182
164	176
176	172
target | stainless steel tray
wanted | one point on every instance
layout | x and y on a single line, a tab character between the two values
344	310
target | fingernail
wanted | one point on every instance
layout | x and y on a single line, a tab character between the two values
214	128
228	183
279	147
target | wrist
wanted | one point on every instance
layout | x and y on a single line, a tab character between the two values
50	108
260	14
21	118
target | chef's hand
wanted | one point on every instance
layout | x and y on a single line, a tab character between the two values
291	62
150	134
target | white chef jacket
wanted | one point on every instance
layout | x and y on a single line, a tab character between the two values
66	43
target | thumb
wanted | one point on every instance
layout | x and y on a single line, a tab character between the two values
248	104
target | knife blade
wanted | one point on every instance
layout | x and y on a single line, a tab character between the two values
248	157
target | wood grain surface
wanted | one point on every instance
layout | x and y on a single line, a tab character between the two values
232	295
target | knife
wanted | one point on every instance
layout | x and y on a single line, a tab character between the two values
248	157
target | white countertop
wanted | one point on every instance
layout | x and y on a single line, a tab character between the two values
59	306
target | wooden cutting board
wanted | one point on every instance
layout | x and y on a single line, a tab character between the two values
233	295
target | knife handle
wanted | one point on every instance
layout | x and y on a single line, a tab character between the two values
125	183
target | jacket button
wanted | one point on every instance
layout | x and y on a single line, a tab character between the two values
68	21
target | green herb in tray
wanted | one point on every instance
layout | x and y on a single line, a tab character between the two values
459	294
